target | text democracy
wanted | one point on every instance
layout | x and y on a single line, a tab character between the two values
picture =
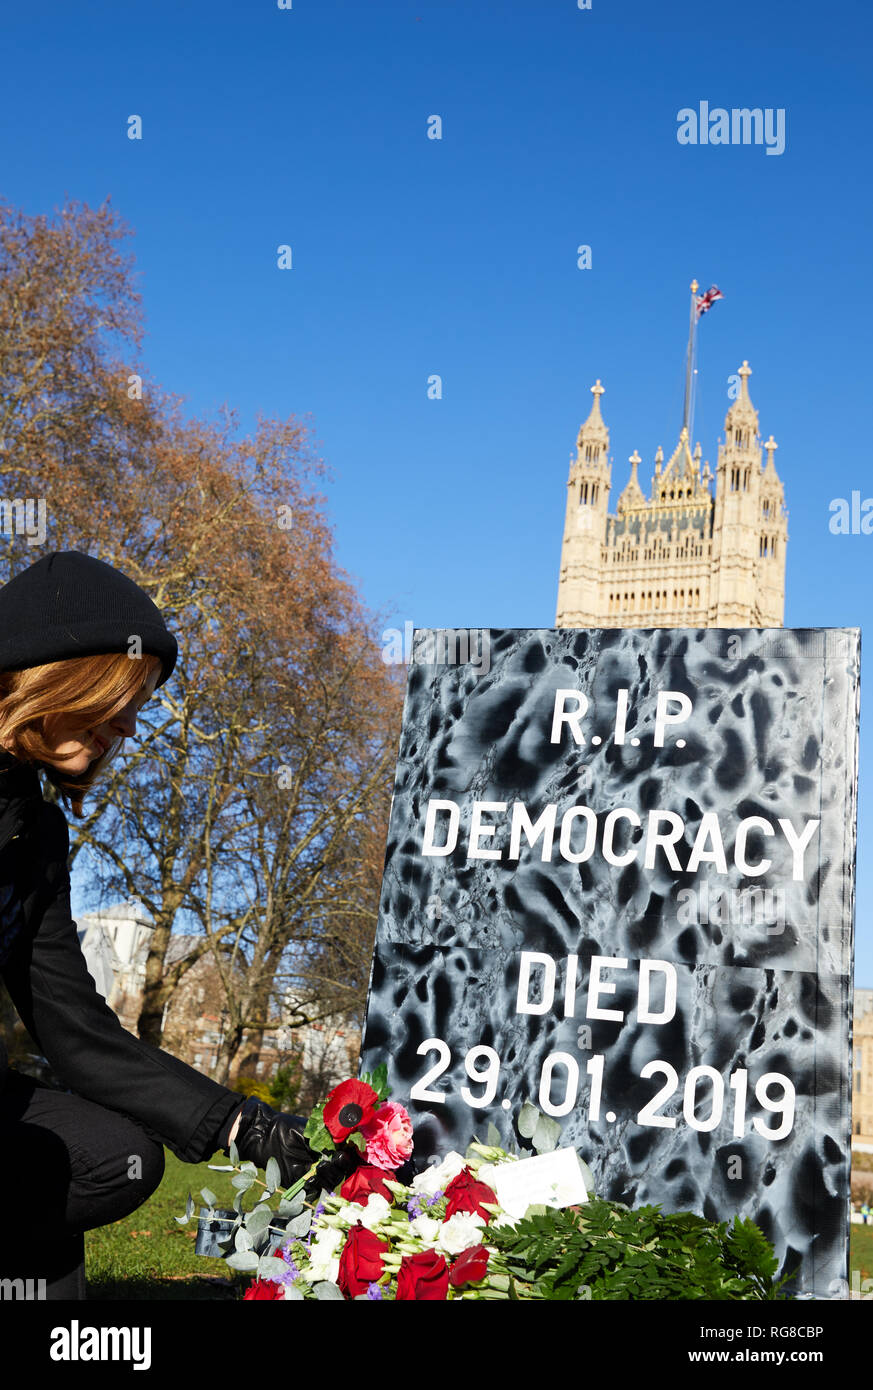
580	831
580	828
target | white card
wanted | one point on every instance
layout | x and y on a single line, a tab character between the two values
552	1180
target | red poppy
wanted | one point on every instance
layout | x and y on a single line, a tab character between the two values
264	1288
470	1266
360	1263
349	1105
365	1180
466	1193
423	1277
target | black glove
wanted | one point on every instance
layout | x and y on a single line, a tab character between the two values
265	1133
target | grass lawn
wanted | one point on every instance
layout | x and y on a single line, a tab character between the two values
861	1251
148	1256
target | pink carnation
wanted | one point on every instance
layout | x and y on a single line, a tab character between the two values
388	1136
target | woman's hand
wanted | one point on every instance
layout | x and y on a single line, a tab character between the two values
262	1133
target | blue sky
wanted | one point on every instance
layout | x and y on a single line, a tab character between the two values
411	256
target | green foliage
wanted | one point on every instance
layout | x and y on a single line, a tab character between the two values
317	1134
603	1250
285	1087
378	1079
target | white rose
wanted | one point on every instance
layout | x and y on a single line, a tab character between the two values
427	1228
321	1270
485	1173
460	1232
350	1213
437	1178
323	1262
376	1210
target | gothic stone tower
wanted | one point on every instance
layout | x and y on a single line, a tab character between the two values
682	558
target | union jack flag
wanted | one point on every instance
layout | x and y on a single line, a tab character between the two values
706	301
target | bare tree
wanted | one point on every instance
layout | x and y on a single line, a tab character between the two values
271	748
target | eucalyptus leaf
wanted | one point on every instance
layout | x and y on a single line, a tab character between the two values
182	1220
234	1153
257	1221
242	1182
273	1174
587	1175
208	1196
528	1117
244	1260
249	1167
238	1202
299	1225
271	1267
220	1167
492	1136
326	1290
293	1294
291	1208
242	1240
189	1206
546	1135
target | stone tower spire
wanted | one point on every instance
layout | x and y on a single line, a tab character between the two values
773	538
681	557
736	522
585	521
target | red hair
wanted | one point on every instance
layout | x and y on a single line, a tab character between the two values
93	687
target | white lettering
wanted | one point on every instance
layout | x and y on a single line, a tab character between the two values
596	987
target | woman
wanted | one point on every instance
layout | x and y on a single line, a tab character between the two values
82	648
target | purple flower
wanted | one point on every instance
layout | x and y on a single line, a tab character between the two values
293	1270
319	1211
431	1201
414	1207
374	1292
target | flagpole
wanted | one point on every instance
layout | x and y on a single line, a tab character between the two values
691	323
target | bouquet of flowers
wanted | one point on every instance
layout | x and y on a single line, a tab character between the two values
444	1234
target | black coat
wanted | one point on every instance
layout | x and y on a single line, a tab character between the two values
45	973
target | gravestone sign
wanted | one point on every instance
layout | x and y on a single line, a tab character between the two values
619	882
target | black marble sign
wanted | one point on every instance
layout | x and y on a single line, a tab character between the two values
619	881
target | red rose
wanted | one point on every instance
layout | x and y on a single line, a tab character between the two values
361	1261
363	1181
470	1266
349	1105
423	1277
264	1288
466	1193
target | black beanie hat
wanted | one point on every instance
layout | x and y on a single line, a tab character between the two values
70	604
